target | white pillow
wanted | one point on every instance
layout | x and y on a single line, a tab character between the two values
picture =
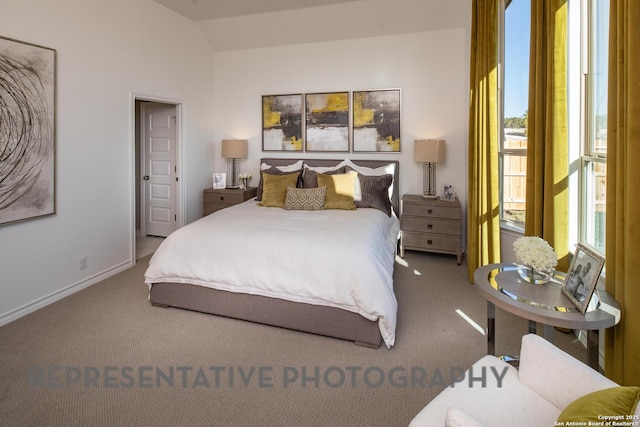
323	169
458	418
289	168
382	170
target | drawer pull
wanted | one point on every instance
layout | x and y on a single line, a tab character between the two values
429	242
429	211
429	226
221	198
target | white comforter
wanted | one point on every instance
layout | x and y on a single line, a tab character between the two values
335	258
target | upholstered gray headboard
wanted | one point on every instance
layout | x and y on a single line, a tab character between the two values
395	200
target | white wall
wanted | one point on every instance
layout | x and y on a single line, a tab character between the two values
431	68
105	52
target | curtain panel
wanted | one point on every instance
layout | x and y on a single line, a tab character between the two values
484	203
547	195
622	343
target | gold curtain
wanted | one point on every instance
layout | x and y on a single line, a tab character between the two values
483	208
547	196
622	344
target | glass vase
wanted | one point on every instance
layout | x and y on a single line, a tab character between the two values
529	274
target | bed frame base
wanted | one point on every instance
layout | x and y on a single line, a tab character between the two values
315	319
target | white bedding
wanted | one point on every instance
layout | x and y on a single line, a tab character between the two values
335	258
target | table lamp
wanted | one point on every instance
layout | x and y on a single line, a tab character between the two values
233	150
429	152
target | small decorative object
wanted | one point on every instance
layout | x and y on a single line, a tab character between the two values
537	259
582	278
244	180
448	192
219	180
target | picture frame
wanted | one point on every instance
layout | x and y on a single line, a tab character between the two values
28	166
582	277
219	180
376	121
448	192
282	122
327	122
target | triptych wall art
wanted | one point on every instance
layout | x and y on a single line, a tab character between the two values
358	121
27	131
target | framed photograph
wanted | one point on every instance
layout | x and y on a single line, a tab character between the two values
282	122
582	277
448	192
27	131
219	180
327	122
376	121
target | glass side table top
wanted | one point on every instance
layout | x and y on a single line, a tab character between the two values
506	280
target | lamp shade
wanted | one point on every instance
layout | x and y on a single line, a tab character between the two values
234	148
429	150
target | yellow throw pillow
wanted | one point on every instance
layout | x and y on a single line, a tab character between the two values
274	189
610	404
340	190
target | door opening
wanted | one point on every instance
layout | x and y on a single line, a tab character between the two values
157	181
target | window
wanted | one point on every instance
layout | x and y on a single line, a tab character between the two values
588	29
515	98
594	153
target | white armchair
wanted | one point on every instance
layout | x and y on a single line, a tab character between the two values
547	380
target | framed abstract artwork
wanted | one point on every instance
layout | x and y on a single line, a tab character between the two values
27	131
327	121
282	122
376	120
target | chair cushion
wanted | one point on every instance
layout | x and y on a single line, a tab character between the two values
458	418
494	404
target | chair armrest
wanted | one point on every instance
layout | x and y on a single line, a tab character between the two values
555	375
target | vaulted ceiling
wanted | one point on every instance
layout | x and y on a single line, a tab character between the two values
245	24
202	10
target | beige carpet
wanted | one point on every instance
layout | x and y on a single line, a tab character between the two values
97	358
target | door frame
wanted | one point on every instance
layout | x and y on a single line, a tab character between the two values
137	191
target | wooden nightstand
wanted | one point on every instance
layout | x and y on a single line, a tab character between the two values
431	225
220	198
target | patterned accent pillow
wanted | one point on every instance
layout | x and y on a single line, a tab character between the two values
305	199
340	190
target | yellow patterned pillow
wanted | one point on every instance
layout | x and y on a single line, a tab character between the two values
274	189
305	199
340	190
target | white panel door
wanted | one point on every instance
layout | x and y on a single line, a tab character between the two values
160	169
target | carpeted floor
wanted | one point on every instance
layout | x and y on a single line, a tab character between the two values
105	357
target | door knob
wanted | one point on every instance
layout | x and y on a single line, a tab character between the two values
146	177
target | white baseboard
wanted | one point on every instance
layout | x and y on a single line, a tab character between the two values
64	292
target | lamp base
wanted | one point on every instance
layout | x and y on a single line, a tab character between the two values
233	170
430	196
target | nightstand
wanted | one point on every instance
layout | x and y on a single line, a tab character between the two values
220	198
431	225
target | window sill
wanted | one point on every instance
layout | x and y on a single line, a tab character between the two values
511	227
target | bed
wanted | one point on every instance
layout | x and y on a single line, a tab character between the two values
327	272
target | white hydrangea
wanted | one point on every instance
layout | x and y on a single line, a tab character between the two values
536	253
